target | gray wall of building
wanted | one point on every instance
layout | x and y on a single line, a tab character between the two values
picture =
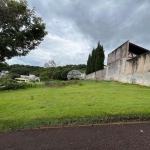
138	70
135	70
116	63
98	75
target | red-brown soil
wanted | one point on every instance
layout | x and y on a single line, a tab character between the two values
103	137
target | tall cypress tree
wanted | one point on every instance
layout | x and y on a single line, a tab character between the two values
93	60
87	67
96	59
100	56
90	64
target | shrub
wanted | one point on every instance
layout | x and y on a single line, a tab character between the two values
14	85
80	84
49	83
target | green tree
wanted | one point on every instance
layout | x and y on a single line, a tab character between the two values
20	29
96	59
44	76
88	65
20	70
65	72
100	56
3	65
52	66
93	60
57	75
13	75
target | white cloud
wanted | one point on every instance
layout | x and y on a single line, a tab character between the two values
75	27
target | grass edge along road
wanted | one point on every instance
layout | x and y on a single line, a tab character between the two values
86	102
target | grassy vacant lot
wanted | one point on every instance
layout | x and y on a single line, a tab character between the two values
84	103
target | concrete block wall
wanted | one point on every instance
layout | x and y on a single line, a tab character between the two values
138	70
116	63
135	70
118	53
115	70
98	75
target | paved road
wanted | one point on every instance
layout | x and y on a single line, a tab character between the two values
103	137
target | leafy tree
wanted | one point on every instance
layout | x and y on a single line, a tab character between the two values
65	72
20	70
20	29
7	83
52	64
44	76
43	73
3	66
57	75
13	75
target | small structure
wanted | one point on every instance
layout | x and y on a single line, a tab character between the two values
22	80
74	74
25	78
83	75
129	63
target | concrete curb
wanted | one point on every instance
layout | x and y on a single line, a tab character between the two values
84	125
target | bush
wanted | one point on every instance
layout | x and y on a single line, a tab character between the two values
14	85
49	83
80	84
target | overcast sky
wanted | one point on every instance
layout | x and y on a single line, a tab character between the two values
75	27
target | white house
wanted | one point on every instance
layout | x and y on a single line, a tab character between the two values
28	78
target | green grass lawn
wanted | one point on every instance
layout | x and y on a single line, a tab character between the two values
85	103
